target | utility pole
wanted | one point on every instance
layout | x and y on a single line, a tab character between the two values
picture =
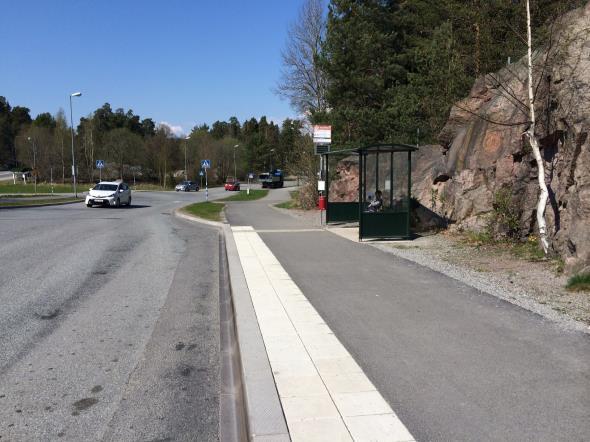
32	141
75	94
235	169
185	171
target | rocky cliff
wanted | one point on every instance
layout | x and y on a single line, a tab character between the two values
483	156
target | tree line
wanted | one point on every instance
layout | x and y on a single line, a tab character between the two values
384	70
139	149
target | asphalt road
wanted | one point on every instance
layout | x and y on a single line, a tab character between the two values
109	326
454	363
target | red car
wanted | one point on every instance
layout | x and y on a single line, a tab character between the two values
232	184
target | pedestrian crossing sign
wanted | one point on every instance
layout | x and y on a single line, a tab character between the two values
205	164
100	164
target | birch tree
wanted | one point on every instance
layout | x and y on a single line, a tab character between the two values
521	88
533	140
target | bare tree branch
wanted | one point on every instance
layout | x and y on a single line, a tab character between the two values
302	81
489	120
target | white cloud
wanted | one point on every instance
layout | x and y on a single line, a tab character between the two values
177	130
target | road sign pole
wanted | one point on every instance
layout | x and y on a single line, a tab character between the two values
206	164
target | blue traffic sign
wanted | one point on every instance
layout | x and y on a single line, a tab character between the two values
100	164
205	164
251	176
201	173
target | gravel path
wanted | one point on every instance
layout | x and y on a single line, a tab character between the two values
531	285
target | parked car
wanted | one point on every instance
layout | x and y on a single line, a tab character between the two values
109	193
232	184
271	180
187	186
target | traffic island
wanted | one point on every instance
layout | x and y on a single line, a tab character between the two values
244	195
206	210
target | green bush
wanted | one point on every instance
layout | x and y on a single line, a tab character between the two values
505	216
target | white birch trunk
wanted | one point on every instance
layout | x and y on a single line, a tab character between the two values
544	195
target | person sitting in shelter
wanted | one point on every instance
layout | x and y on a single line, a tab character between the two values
377	204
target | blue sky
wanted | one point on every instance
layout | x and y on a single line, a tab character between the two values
180	62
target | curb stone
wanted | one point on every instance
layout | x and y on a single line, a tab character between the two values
181	214
264	413
40	205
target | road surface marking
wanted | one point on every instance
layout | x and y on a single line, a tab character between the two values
324	393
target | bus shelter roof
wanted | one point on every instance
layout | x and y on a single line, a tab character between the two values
375	148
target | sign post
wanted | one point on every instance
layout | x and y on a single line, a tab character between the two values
201	176
322	202
250	177
322	138
100	166
206	164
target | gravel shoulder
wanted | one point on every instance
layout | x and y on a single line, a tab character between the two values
534	285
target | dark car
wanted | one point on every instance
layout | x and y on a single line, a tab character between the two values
187	186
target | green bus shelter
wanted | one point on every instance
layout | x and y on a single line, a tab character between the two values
381	174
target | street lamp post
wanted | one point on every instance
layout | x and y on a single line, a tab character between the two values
235	169
32	141
75	94
185	172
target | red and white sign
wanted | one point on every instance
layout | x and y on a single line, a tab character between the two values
322	134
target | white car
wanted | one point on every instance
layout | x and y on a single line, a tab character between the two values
108	193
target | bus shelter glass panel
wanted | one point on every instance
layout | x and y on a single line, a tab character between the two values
377	182
342	181
384	193
400	197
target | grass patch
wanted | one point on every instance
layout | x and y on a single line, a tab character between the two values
529	250
41	188
579	283
480	237
151	187
293	203
255	194
24	195
39	202
205	210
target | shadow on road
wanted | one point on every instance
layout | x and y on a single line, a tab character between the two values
133	206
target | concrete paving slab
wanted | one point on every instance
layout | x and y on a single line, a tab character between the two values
455	363
300	359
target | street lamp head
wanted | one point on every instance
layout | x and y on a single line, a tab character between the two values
76	94
29	138
237	145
